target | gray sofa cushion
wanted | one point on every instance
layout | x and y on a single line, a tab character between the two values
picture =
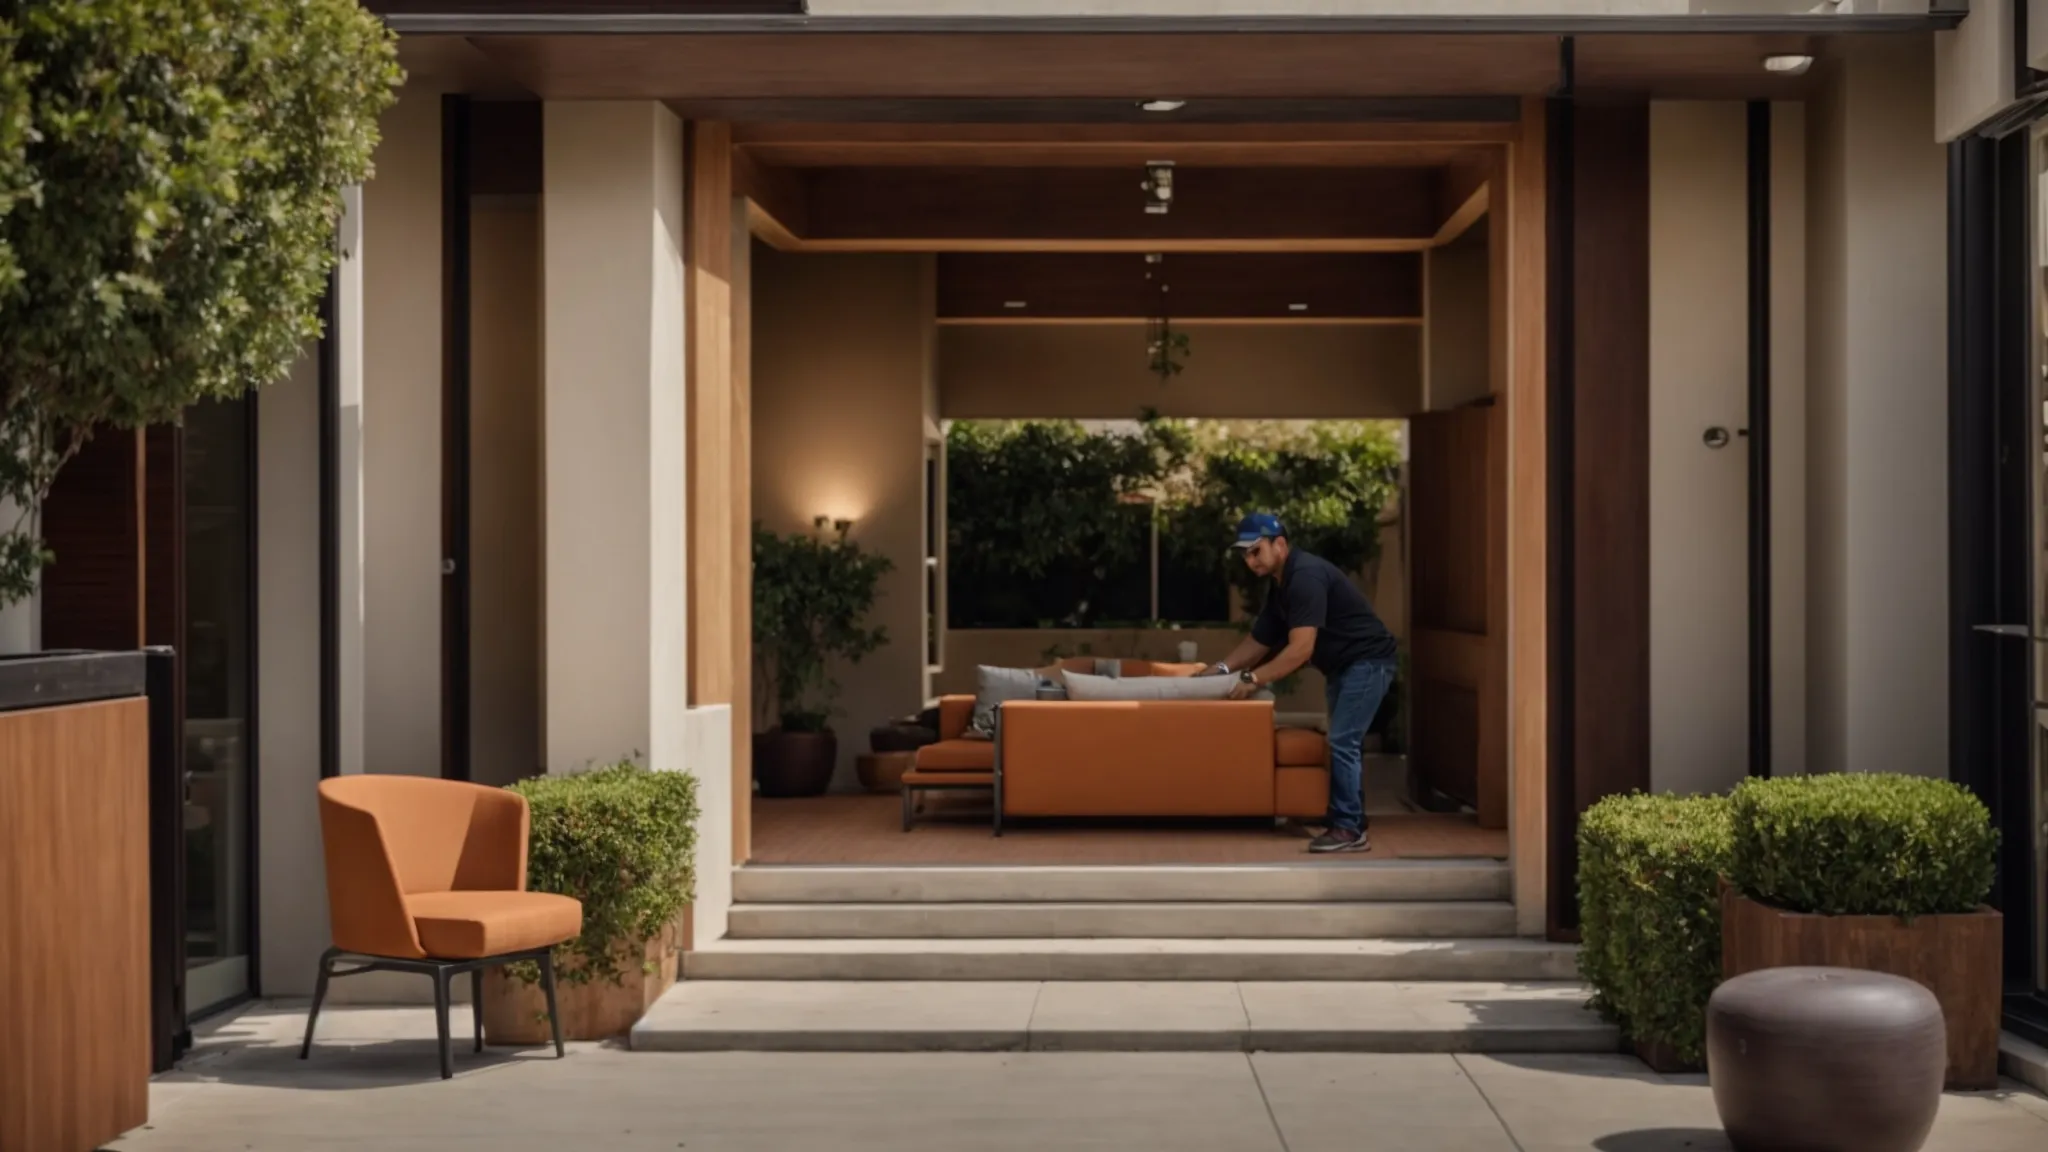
995	685
1083	687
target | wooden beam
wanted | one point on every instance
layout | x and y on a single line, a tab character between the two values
1221	209
776	208
1528	654
1086	65
708	351
838	145
742	543
1093	286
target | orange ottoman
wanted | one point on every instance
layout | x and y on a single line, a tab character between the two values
1301	773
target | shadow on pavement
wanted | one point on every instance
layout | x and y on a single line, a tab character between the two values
1664	1140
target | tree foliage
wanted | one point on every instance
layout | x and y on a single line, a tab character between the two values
170	182
812	596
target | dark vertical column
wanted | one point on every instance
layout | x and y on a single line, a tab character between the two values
170	1038
1759	438
455	427
1560	244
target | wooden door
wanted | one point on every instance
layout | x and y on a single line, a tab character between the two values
1458	628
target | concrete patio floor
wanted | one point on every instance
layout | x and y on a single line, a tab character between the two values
373	1084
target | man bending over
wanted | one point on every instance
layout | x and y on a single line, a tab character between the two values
1315	615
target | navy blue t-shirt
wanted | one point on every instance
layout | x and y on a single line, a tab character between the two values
1314	593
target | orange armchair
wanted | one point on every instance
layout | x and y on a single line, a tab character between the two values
429	876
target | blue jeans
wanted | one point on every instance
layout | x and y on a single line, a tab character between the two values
1354	697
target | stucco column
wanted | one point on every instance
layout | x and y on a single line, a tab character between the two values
348	482
614	425
1877	410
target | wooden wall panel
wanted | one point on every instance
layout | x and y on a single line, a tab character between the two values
1610	593
74	915
1528	652
93	594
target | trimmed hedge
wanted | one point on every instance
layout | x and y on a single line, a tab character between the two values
623	840
1650	913
1862	844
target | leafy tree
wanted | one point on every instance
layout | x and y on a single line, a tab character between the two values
170	180
812	595
1040	516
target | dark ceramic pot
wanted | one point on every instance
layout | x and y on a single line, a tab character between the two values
795	763
1825	1060
901	737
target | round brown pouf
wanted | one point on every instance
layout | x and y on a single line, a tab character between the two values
883	771
1825	1060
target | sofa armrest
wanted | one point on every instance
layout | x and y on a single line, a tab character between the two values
954	714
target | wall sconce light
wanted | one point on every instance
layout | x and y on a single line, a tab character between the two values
1158	187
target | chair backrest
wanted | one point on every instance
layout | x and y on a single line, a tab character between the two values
386	837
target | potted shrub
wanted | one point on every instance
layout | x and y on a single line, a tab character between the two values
812	594
1650	919
1874	871
623	840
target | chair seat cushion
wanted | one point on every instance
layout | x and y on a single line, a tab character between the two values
957	756
1299	748
468	925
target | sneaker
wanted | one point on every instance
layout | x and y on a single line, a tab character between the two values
1342	840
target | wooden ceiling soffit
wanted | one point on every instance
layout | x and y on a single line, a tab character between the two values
1102	209
1032	286
1097	65
1729	67
1083	146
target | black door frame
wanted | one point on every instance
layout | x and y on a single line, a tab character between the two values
1992	455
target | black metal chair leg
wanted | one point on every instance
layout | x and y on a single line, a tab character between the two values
476	1004
319	994
441	1021
547	985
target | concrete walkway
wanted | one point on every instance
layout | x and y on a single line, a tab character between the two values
372	1084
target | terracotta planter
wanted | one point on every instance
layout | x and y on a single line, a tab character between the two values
1957	957
1662	1058
515	1012
883	771
795	763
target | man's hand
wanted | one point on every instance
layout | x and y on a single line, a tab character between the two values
1242	690
1213	670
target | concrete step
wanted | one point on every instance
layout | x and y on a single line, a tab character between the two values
1415	919
1506	959
1373	880
871	1016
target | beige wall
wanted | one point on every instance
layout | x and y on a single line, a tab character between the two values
839	393
292	919
1457	320
505	489
1098	371
1877	450
401	452
1699	664
1699	512
1973	66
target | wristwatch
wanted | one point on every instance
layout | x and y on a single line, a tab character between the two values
1249	677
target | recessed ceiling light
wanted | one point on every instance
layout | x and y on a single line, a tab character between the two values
1163	105
1013	304
1297	307
1787	64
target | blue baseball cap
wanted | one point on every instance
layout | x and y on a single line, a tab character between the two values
1256	527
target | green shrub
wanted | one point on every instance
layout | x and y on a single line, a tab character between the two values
623	840
1862	844
1650	913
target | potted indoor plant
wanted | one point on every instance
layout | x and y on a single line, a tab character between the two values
1650	868
623	840
1875	871
812	595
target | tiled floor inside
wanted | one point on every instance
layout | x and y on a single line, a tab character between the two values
868	829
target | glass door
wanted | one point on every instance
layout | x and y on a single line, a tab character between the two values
218	654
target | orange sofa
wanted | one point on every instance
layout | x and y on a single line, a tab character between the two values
1127	758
